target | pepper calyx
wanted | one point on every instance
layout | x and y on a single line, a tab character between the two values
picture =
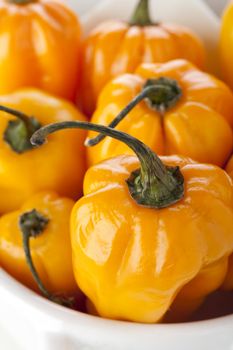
156	194
33	223
166	96
17	134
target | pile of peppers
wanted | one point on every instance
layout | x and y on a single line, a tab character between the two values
116	165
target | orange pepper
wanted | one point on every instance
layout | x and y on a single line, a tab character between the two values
47	217
185	111
60	166
226	45
116	47
40	46
147	230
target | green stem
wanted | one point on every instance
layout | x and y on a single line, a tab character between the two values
18	132
160	94
20	115
21	2
154	185
119	117
32	224
141	16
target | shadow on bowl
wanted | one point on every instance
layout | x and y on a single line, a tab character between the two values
216	305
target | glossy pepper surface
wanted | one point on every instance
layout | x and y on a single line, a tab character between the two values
50	249
116	47
147	232
189	112
226	45
131	261
40	46
59	166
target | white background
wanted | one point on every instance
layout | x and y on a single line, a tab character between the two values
86	4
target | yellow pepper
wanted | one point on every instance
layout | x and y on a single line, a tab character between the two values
41	229
149	229
59	166
172	107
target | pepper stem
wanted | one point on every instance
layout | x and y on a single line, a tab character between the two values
154	185
141	16
21	2
160	95
19	132
32	224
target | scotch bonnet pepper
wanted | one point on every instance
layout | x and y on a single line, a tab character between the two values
40	229
174	108
116	47
40	47
148	229
25	170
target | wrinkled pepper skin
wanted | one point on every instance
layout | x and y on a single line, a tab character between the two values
226	45
115	47
51	250
200	120
131	261
33	40
58	166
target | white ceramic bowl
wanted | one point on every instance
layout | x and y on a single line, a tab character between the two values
39	324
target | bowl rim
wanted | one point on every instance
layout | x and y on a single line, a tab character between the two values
18	294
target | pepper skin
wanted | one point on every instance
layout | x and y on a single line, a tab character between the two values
226	45
132	261
198	125
40	47
59	166
50	250
116	47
